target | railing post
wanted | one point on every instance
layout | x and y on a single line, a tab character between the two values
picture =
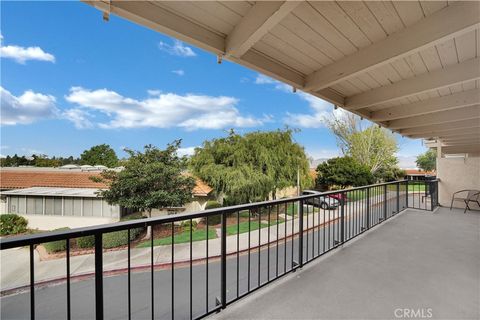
406	192
98	277
431	191
300	233
224	260
342	217
398	196
385	202
368	208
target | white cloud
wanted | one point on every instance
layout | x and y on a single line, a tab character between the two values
154	92
27	108
177	49
79	117
321	109
262	79
164	110
188	151
22	54
323	153
179	72
407	162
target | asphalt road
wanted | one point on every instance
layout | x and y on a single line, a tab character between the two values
51	301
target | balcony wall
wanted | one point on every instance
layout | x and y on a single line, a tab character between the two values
457	174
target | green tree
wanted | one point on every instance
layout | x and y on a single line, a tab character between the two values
427	161
44	161
373	146
392	173
151	179
101	154
343	172
251	167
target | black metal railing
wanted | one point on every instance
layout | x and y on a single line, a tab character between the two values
191	273
423	194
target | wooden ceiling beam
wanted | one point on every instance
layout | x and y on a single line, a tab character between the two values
445	24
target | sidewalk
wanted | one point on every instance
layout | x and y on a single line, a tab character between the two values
14	266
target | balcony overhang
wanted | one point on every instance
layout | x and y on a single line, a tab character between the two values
398	64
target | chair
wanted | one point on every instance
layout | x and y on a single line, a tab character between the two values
471	196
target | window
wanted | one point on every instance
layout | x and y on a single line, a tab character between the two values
13	203
30	205
57	206
97	207
87	207
68	206
49	206
77	207
21	205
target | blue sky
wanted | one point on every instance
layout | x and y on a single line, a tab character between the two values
70	81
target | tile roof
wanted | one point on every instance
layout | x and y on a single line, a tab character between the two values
420	172
60	179
19	179
201	188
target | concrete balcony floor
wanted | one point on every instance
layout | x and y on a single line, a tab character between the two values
422	261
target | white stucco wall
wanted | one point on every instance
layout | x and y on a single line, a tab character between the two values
457	174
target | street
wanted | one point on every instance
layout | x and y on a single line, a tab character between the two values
51	301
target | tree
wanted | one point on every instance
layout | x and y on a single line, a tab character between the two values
251	167
102	154
343	172
392	173
427	161
151	179
374	147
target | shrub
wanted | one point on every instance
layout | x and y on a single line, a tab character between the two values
187	226
113	239
212	220
56	246
86	242
12	224
119	238
133	216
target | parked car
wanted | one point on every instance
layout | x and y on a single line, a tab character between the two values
338	196
321	201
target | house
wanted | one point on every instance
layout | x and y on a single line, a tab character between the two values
52	198
417	174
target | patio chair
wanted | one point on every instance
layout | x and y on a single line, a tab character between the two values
471	196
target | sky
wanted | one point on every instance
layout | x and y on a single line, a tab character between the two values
70	80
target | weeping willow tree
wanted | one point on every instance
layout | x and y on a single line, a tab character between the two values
251	167
373	146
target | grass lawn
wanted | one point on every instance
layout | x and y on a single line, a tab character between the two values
416	187
411	187
197	235
243	226
292	209
357	195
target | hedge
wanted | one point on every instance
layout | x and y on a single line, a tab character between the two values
113	239
212	220
86	242
12	224
56	246
119	238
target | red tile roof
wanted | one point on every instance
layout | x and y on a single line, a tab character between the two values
18	179
416	171
26	179
201	188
